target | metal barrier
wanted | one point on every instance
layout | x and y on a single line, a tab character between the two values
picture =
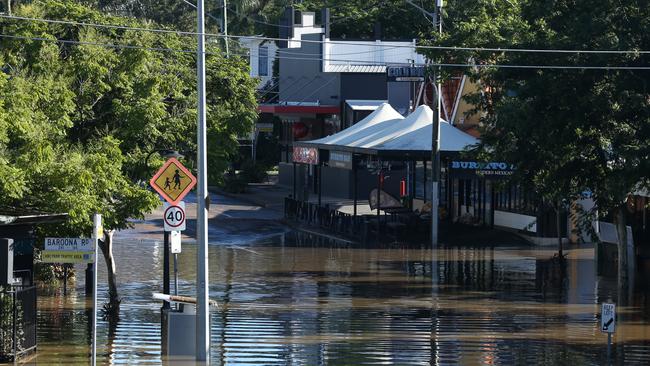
17	321
324	217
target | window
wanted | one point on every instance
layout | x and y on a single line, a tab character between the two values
263	61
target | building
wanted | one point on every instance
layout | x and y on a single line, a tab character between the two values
324	85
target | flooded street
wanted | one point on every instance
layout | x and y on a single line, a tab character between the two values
297	299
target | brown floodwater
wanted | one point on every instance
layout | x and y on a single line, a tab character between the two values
297	299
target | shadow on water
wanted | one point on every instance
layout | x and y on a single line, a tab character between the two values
305	299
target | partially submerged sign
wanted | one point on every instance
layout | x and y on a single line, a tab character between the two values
68	250
63	256
70	244
173	181
608	318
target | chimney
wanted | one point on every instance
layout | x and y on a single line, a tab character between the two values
377	32
286	27
325	21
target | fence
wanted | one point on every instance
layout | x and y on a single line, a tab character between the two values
17	321
324	217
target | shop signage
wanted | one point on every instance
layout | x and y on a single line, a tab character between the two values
305	155
405	73
339	159
477	169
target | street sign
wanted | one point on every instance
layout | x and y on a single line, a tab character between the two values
70	244
174	217
608	318
175	239
173	181
64	256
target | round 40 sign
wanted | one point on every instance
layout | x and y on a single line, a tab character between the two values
174	217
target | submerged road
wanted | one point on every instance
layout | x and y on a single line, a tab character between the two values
288	298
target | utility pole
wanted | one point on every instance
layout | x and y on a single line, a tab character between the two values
202	280
436	20
225	25
435	143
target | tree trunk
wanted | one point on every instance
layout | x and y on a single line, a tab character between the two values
621	231
107	250
558	222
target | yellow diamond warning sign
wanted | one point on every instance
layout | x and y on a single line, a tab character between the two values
173	181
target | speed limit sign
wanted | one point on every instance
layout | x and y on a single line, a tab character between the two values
174	216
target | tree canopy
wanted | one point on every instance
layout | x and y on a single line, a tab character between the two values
82	107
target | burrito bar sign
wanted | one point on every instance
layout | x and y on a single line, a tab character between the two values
478	169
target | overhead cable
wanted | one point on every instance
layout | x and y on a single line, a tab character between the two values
370	44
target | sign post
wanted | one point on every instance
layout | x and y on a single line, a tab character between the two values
173	181
608	325
176	248
97	233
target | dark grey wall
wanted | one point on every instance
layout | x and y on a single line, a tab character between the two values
339	183
363	86
301	76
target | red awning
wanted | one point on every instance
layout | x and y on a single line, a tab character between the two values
298	109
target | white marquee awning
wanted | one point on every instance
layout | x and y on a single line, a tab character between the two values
386	132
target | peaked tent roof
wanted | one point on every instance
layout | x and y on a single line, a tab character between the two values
410	136
373	123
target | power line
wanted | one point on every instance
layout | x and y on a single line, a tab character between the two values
366	63
371	44
109	45
95	25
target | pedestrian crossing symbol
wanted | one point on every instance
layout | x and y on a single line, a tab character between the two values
173	181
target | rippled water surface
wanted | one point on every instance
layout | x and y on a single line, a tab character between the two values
300	300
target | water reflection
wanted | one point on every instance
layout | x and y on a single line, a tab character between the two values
300	299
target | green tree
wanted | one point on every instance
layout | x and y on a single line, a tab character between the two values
568	130
80	113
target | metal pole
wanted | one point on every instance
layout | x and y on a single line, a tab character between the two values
202	291
166	291
435	146
97	224
176	274
225	26
320	184
65	280
355	186
378	202
609	348
295	197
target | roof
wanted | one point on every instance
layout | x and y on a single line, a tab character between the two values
373	123
363	104
21	216
298	109
385	132
369	69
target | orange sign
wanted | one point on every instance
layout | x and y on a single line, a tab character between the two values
173	181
